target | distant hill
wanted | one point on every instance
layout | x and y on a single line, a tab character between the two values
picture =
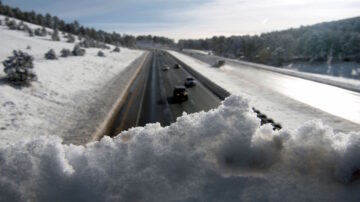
76	28
337	40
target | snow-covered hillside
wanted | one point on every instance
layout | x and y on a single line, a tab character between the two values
67	90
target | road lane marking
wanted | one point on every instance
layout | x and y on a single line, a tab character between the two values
103	127
143	95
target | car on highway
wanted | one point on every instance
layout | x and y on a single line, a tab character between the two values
219	63
190	82
180	93
165	68
177	66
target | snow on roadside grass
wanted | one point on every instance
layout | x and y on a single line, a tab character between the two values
220	155
65	90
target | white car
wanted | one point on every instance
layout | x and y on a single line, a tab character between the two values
165	68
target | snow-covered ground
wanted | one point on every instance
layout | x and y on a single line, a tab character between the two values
66	92
279	101
346	83
220	155
197	51
337	69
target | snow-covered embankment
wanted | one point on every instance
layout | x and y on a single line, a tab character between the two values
72	95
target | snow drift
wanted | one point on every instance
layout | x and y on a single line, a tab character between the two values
220	155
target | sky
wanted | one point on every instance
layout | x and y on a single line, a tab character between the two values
184	19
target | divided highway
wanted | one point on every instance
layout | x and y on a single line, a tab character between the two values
150	97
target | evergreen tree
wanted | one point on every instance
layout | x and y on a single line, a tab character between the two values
18	68
50	55
39	32
31	32
101	54
278	56
65	52
78	51
1	7
55	35
12	24
71	38
48	21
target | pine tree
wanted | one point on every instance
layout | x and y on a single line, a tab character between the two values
101	54
78	51
55	35
1	7
31	32
43	30
39	32
65	52
71	38
18	68
12	24
50	55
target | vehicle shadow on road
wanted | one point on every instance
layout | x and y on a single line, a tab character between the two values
171	100
161	102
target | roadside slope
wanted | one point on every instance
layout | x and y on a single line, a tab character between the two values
68	90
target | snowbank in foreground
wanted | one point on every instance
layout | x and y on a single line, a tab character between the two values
220	155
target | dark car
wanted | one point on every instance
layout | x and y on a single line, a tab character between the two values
177	66
219	63
180	93
190	82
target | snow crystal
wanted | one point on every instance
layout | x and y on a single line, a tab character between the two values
220	155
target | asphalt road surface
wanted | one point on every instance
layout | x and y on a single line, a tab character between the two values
150	100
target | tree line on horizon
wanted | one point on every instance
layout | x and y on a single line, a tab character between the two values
75	28
329	41
323	42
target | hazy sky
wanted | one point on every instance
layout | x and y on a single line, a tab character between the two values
194	18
